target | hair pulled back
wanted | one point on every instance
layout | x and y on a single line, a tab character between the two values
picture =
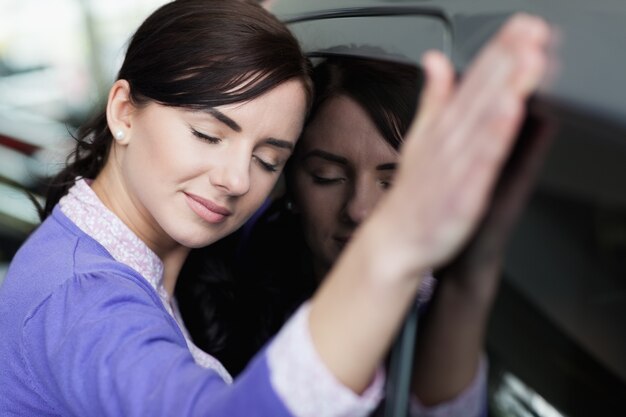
193	54
387	91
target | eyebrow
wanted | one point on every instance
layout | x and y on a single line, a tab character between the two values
389	166
224	119
318	153
278	143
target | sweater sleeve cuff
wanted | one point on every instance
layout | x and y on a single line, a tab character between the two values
471	402
304	383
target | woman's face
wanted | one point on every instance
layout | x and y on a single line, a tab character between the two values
342	168
195	176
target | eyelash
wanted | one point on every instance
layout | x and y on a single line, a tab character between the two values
266	165
213	140
210	139
332	181
325	181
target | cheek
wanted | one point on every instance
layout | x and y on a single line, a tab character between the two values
143	169
319	206
154	155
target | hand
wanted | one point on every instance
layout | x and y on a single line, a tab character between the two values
457	146
476	269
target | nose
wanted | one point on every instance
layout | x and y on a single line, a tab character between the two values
232	175
361	200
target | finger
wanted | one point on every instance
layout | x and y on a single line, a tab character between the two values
489	242
469	181
517	179
475	169
537	35
438	88
519	34
512	63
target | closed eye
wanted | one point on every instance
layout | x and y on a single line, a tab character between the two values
327	181
266	165
205	137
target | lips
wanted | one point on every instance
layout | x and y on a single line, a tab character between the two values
206	209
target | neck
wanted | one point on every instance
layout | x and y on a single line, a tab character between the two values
172	264
111	189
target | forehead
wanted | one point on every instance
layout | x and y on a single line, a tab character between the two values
279	113
342	126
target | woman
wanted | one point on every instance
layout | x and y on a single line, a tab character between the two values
207	107
343	165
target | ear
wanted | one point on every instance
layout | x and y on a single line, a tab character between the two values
119	112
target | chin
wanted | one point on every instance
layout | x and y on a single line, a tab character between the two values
195	240
332	257
195	235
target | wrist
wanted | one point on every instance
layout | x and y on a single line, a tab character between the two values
386	255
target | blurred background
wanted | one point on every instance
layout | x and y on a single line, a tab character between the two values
57	61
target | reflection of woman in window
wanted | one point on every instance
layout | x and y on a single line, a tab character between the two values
343	165
345	162
208	105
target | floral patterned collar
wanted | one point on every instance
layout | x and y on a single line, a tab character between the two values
83	207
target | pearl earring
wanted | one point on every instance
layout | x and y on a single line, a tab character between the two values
119	135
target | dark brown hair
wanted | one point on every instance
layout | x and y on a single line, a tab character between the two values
194	54
387	91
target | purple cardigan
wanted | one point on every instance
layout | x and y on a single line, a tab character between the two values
85	335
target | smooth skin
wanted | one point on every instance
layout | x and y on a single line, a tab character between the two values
171	157
448	166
